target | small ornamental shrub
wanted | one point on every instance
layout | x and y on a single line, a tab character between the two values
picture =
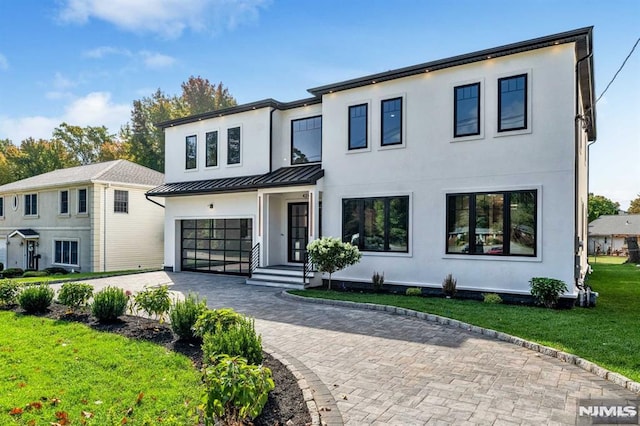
414	291
56	270
1	266
492	298
36	298
239	339
153	301
109	304
330	255
547	291
75	295
377	280
13	273
184	315
35	274
235	392
449	286
212	321
8	292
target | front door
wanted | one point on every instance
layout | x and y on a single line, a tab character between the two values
32	255
298	232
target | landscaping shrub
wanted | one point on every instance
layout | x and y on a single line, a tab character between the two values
8	292
239	339
1	266
184	315
75	295
492	298
153	301
377	280
235	391
449	286
109	304
36	298
56	270
211	321
13	272
33	274
547	291
414	291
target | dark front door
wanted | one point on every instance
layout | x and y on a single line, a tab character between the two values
298	231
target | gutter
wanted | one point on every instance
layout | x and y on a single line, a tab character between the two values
154	202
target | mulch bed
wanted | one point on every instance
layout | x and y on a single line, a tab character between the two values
285	405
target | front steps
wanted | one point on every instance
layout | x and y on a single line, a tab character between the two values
279	276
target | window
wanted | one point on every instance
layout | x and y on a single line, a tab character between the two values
466	110
66	252
493	223
31	204
211	149
233	145
306	140
121	201
391	122
82	201
64	202
191	152
376	224
1	207
358	126
512	103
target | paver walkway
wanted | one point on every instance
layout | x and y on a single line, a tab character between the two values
395	370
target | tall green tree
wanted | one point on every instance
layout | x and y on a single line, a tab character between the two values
89	144
634	207
199	96
600	205
39	156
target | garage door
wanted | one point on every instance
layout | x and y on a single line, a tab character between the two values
217	245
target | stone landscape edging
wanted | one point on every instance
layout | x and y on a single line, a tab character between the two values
589	366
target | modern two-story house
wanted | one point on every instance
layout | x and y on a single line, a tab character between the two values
474	165
88	218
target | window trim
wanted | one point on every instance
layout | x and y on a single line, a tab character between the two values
527	107
187	138
239	163
401	143
206	151
291	144
366	146
86	201
115	210
31	212
62	240
60	212
2	207
455	111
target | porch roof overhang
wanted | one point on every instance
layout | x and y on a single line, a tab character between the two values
283	177
26	234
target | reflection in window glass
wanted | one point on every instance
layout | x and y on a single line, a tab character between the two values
512	103
358	126
489	224
376	224
467	110
458	220
306	140
211	149
191	149
392	121
523	213
233	145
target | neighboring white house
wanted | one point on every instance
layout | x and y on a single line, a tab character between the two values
86	218
474	165
607	233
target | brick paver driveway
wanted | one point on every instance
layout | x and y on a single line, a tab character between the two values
391	369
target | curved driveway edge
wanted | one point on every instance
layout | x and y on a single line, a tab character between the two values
589	366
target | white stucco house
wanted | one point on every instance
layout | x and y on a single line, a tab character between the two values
608	233
88	218
474	165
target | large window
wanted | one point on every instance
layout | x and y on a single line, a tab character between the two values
492	223
233	145
466	110
191	152
121	201
31	204
391	122
66	253
358	126
64	202
306	140
82	201
376	224
211	149
512	103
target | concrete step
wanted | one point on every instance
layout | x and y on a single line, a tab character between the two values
272	283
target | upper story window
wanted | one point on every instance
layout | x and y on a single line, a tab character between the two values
358	126
306	140
64	202
233	145
31	204
211	149
191	152
466	110
391	122
492	223
121	201
1	206
82	201
512	103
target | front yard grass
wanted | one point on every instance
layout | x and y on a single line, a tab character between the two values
78	276
57	371
607	334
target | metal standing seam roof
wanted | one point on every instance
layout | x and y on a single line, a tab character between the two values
615	225
284	176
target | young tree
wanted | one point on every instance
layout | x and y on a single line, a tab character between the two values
331	255
634	207
600	205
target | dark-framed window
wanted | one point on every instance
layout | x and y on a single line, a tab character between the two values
31	204
466	110
121	201
64	202
1	206
82	201
211	149
233	145
306	140
512	103
65	252
191	152
358	126
391	122
377	223
496	223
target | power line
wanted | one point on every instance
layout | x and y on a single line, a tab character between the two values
619	69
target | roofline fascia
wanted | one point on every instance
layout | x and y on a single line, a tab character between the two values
130	185
42	187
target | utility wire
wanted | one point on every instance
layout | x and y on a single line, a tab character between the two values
619	69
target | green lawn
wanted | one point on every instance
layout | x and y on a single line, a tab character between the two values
79	276
608	334
52	369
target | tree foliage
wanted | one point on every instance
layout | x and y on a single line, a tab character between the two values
331	255
600	205
634	207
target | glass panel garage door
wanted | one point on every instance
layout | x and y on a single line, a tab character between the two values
216	245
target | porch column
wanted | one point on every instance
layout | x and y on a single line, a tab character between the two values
313	197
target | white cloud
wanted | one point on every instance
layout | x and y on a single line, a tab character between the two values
168	18
152	60
4	64
102	51
157	60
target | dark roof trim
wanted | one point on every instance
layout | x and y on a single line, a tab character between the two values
578	35
25	234
283	177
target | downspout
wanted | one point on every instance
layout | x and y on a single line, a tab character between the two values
154	202
271	139
104	237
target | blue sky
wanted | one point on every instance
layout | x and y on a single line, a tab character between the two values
85	61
